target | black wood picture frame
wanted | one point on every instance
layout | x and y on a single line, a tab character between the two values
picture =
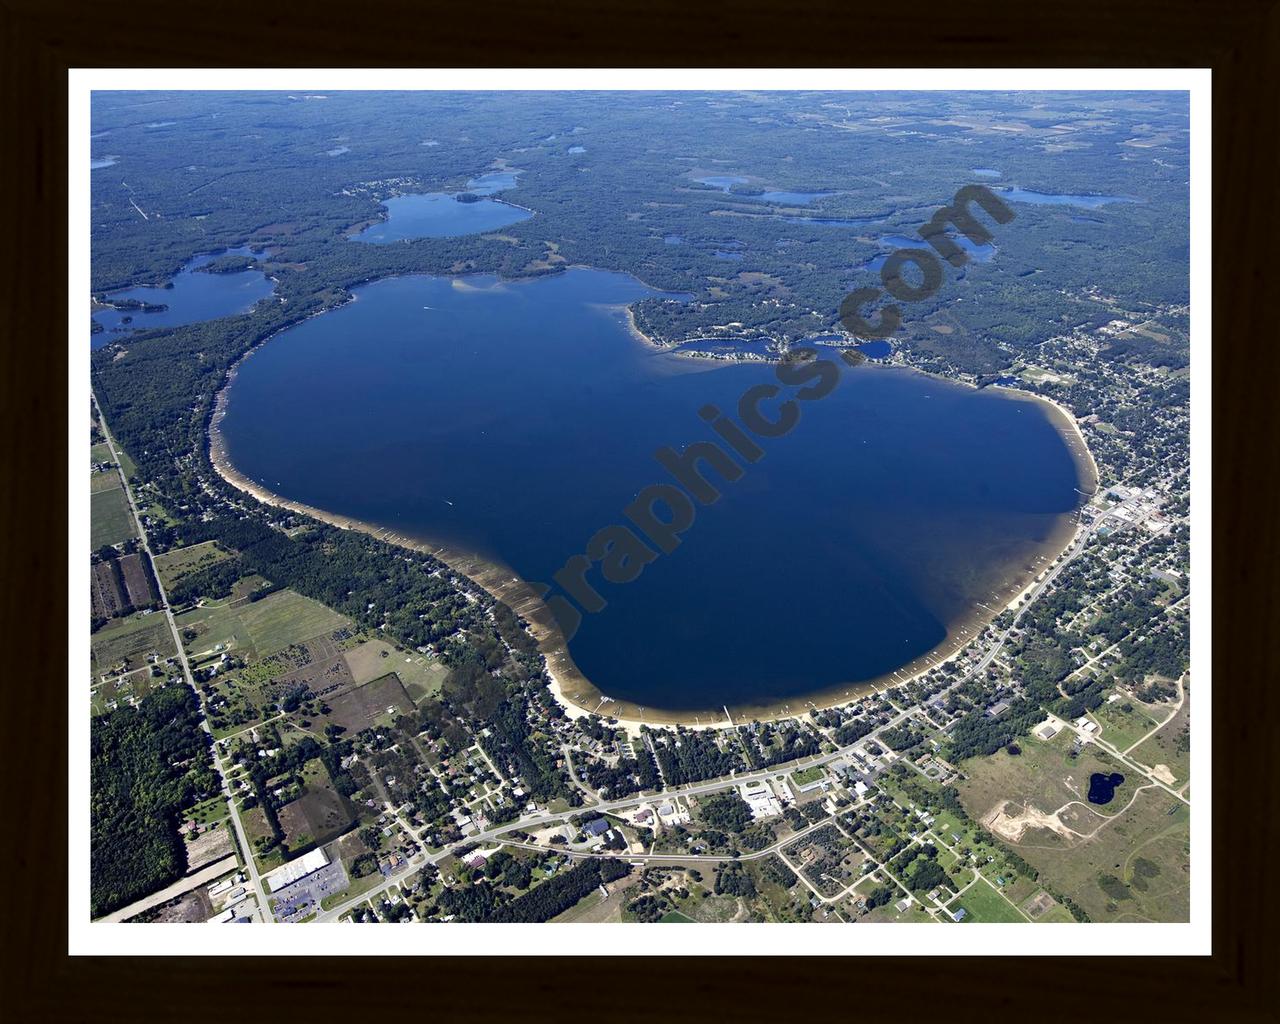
1238	39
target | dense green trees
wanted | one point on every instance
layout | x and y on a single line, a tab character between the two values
146	763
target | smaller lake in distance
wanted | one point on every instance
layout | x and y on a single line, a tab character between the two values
439	215
834	222
1023	195
791	198
493	182
979	252
192	296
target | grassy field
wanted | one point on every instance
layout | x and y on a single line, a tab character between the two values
174	565
260	628
807	775
99	453
422	676
984	905
133	639
1123	728
105	481
1130	860
1171	746
109	519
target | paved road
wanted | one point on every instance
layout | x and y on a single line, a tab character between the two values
219	763
213	871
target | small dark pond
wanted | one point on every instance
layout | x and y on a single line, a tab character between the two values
1102	787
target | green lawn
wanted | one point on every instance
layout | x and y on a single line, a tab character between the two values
109	519
808	775
984	905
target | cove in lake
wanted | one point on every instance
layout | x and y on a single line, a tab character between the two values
1102	787
192	296
513	420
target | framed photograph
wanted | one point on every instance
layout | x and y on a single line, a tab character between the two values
542	505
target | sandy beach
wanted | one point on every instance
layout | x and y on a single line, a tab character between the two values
577	694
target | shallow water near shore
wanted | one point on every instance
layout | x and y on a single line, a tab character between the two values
512	420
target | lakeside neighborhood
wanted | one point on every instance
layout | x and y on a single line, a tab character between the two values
341	800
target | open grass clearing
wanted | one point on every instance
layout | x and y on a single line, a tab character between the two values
109	519
422	676
258	629
174	565
1170	747
983	905
129	642
1120	727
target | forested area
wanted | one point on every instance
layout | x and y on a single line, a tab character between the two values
145	764
697	757
485	902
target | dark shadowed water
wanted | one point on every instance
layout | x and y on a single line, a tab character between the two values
1102	787
517	419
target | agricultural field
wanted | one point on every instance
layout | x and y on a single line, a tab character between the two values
107	480
422	676
258	629
180	562
128	643
377	703
109	518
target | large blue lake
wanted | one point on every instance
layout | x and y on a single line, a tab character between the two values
192	296
516	419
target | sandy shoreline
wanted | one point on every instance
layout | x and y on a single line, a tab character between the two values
577	694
